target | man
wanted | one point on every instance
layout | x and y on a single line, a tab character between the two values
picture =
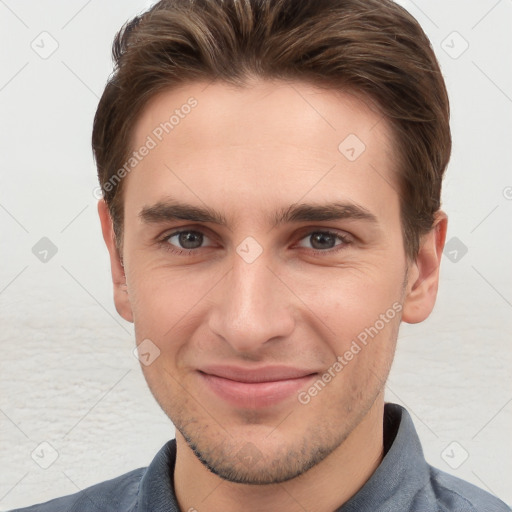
271	172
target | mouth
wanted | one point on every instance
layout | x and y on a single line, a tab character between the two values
255	388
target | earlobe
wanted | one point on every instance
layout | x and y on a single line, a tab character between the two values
422	286
121	297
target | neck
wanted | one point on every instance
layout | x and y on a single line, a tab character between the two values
323	488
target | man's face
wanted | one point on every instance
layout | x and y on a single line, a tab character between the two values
266	296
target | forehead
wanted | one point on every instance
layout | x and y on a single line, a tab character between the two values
276	140
261	108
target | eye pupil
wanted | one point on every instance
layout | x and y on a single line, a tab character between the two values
190	239
322	238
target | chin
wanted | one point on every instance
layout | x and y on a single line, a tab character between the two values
261	462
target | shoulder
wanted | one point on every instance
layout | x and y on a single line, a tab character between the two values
118	494
453	494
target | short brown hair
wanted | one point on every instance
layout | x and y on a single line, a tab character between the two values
374	48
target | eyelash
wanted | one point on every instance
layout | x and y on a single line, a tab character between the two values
165	245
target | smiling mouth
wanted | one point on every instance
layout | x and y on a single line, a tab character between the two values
248	388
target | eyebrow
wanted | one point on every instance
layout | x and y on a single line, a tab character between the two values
322	212
171	210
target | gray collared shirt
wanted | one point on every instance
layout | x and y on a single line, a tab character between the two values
403	482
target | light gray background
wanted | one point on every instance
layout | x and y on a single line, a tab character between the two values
68	375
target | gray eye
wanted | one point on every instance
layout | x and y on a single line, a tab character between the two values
187	239
319	240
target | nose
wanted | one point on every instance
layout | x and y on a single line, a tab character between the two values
252	306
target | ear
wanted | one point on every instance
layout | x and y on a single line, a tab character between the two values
423	281
121	298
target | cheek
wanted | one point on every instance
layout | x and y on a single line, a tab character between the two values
168	306
349	300
357	372
164	295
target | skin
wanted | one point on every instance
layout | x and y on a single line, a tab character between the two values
247	153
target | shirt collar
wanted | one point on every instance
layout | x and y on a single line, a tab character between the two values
156	489
401	474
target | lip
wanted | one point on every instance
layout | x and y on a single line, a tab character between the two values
255	387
